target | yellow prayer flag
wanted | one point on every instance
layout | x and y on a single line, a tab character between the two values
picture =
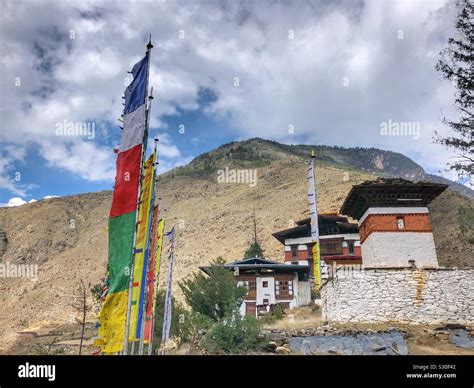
141	241
316	266
112	317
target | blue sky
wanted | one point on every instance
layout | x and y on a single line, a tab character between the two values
334	71
201	134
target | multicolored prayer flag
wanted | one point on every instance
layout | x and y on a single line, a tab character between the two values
122	221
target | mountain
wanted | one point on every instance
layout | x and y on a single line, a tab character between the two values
257	152
461	189
67	237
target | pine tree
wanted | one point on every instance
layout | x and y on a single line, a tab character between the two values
254	250
456	63
215	296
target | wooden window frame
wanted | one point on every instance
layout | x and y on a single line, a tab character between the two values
284	289
294	251
351	247
329	248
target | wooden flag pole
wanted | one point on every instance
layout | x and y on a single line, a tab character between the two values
142	162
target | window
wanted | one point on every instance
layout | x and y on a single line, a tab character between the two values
265	284
294	251
284	288
350	245
265	301
252	287
329	247
400	223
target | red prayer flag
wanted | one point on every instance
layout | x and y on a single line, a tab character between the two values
126	181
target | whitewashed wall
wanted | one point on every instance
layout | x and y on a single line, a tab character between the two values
434	296
304	294
395	249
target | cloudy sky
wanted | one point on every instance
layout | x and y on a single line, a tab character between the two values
318	72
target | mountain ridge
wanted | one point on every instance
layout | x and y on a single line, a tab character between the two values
373	160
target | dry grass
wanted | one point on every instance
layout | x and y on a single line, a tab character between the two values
296	319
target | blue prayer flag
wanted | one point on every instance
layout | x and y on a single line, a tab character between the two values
135	92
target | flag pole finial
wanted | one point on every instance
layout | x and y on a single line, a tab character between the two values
149	46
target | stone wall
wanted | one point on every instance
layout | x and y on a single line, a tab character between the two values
435	296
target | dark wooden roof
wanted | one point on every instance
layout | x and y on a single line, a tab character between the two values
393	192
257	264
323	218
254	260
328	224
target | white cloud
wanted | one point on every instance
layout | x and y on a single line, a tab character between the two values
166	148
10	179
283	81
15	201
87	160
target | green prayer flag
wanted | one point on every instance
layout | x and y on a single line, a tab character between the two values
121	231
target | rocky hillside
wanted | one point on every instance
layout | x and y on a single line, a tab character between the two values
258	152
67	237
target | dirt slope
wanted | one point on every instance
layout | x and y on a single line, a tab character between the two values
67	237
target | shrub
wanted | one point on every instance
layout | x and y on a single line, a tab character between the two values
234	334
277	314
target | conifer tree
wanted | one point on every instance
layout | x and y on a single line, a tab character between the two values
456	64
